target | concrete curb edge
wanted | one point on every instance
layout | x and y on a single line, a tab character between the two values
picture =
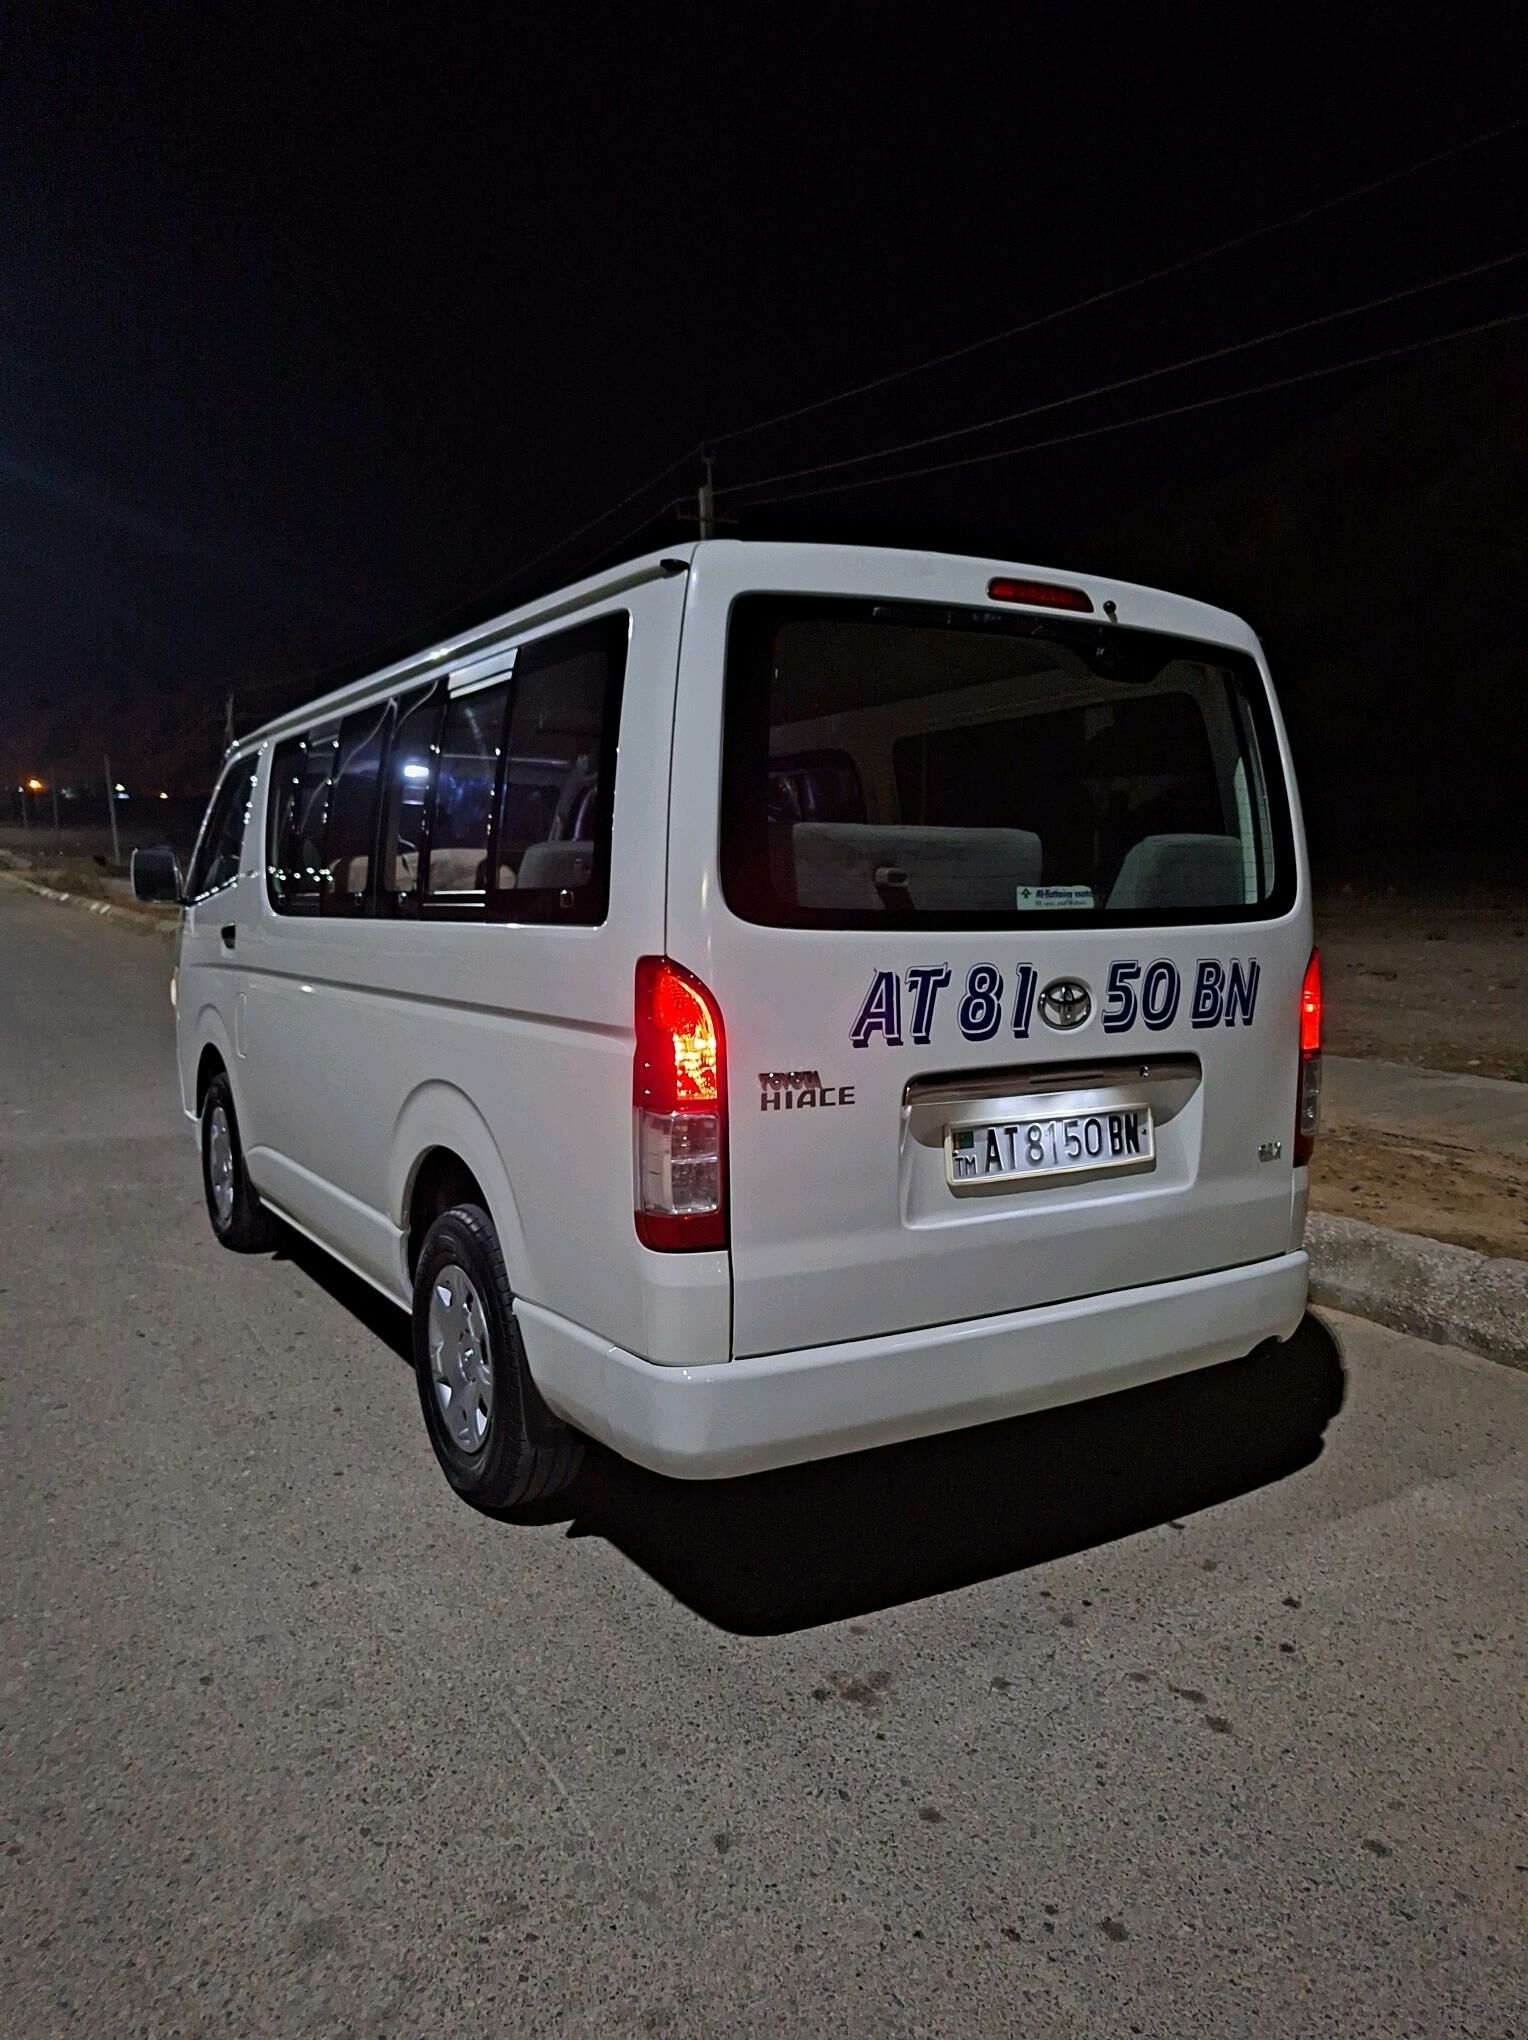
144	924
1449	1295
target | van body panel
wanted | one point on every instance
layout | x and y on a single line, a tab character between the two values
778	1409
845	1226
358	1234
209	973
371	1041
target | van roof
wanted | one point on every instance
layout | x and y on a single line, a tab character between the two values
1192	617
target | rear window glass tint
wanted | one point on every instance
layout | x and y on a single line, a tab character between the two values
887	760
819	786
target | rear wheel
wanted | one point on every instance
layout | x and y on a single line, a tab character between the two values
239	1219
497	1444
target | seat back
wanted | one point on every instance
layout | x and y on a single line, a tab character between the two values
1181	871
948	870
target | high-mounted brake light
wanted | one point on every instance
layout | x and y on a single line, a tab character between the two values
1040	595
679	1098
1308	1102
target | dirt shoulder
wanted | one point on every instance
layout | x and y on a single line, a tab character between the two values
1438	981
1443	1192
1435	979
86	882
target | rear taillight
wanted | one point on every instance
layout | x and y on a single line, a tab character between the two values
679	1093
1308	1103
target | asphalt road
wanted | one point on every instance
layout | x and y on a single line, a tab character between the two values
1195	1712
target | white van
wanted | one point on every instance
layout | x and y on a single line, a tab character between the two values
770	1000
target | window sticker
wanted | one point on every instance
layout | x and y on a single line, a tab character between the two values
1031	899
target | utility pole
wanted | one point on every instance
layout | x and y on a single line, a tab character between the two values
706	503
24	822
54	777
228	722
111	810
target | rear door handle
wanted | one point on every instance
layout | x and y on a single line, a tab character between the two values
230	936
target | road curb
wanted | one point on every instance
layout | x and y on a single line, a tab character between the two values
144	924
1449	1295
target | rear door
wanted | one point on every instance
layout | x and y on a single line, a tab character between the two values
1004	918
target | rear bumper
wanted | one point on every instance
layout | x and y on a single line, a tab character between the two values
742	1416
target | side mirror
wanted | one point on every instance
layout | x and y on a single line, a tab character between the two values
156	876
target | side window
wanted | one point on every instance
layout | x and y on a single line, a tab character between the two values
216	863
456	873
301	775
353	809
410	774
553	853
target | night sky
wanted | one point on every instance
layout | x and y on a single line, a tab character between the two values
318	325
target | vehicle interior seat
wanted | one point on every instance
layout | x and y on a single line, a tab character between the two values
855	865
557	865
1181	871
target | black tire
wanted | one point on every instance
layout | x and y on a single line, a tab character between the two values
244	1226
526	1455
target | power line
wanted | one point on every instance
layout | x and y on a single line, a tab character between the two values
1130	381
536	558
424	628
619	545
524	568
547	552
1121	289
1146	417
305	681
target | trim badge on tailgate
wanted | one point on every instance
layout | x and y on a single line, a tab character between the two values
1065	1003
796	1090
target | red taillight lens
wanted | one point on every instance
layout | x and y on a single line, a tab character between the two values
1308	1104
1040	595
679	1096
678	1039
1310	1007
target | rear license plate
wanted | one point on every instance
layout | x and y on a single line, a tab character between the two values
1024	1150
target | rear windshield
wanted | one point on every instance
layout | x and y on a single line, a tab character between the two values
892	761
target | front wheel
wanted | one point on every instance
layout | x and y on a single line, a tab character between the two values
239	1219
497	1444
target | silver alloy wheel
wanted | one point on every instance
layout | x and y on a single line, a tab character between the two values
461	1363
220	1164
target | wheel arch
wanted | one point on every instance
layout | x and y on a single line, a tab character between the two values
214	1055
442	1146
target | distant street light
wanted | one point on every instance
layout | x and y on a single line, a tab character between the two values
35	785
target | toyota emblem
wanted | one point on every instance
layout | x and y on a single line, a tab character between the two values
1065	1003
